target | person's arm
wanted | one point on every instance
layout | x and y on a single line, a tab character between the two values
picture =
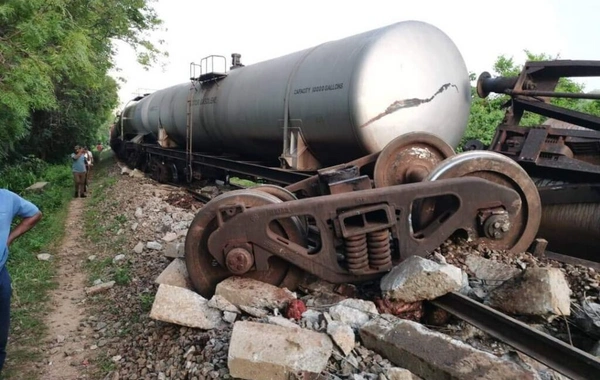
29	212
76	156
25	225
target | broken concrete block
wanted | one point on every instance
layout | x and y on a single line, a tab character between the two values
175	250
139	248
493	272
242	291
342	335
184	307
259	351
396	373
38	186
219	302
154	245
256	312
229	316
432	355
136	173
99	288
536	291
175	274
311	316
353	312
169	237
419	279
280	321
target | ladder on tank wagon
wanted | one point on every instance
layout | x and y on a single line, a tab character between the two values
189	122
207	76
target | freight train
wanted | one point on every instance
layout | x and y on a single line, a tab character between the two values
356	139
318	107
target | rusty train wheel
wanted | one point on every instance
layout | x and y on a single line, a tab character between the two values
499	169
282	194
277	191
410	158
204	270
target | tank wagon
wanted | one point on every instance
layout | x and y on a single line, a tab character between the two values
357	139
318	107
362	133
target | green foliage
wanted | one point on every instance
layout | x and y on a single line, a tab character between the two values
122	275
33	279
55	55
487	114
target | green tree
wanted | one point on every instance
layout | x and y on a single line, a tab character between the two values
54	61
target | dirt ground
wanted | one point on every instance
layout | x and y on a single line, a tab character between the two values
68	344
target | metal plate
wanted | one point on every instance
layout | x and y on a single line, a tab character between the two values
205	272
499	169
410	158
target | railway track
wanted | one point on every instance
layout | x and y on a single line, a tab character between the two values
554	353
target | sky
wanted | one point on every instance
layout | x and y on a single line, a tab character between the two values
260	30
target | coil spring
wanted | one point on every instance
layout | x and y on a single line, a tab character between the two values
380	254
357	254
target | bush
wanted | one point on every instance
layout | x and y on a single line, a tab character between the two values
19	176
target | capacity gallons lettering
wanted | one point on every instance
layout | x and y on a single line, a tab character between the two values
209	100
325	87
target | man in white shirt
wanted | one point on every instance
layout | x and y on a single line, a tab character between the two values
89	162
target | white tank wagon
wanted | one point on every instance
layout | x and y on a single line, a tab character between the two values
317	107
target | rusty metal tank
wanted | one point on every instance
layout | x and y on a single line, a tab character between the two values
347	98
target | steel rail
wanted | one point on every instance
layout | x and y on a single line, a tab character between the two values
573	260
556	354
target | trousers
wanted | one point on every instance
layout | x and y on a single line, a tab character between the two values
5	294
79	179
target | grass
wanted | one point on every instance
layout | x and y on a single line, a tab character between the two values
32	280
101	232
242	182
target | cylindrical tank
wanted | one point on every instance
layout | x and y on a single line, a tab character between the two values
348	98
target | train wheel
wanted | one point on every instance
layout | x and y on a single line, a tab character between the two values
410	158
283	195
277	191
205	271
523	226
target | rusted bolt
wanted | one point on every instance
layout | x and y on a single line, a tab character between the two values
496	226
239	260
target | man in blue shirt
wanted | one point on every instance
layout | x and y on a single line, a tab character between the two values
79	171
11	205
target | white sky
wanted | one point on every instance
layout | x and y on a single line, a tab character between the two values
261	29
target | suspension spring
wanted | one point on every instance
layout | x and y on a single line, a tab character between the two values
357	254
380	254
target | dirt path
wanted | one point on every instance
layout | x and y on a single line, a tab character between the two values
68	346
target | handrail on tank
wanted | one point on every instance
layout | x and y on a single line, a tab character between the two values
193	66
204	64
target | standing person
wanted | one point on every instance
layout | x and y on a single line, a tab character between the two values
79	171
89	162
99	147
11	205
